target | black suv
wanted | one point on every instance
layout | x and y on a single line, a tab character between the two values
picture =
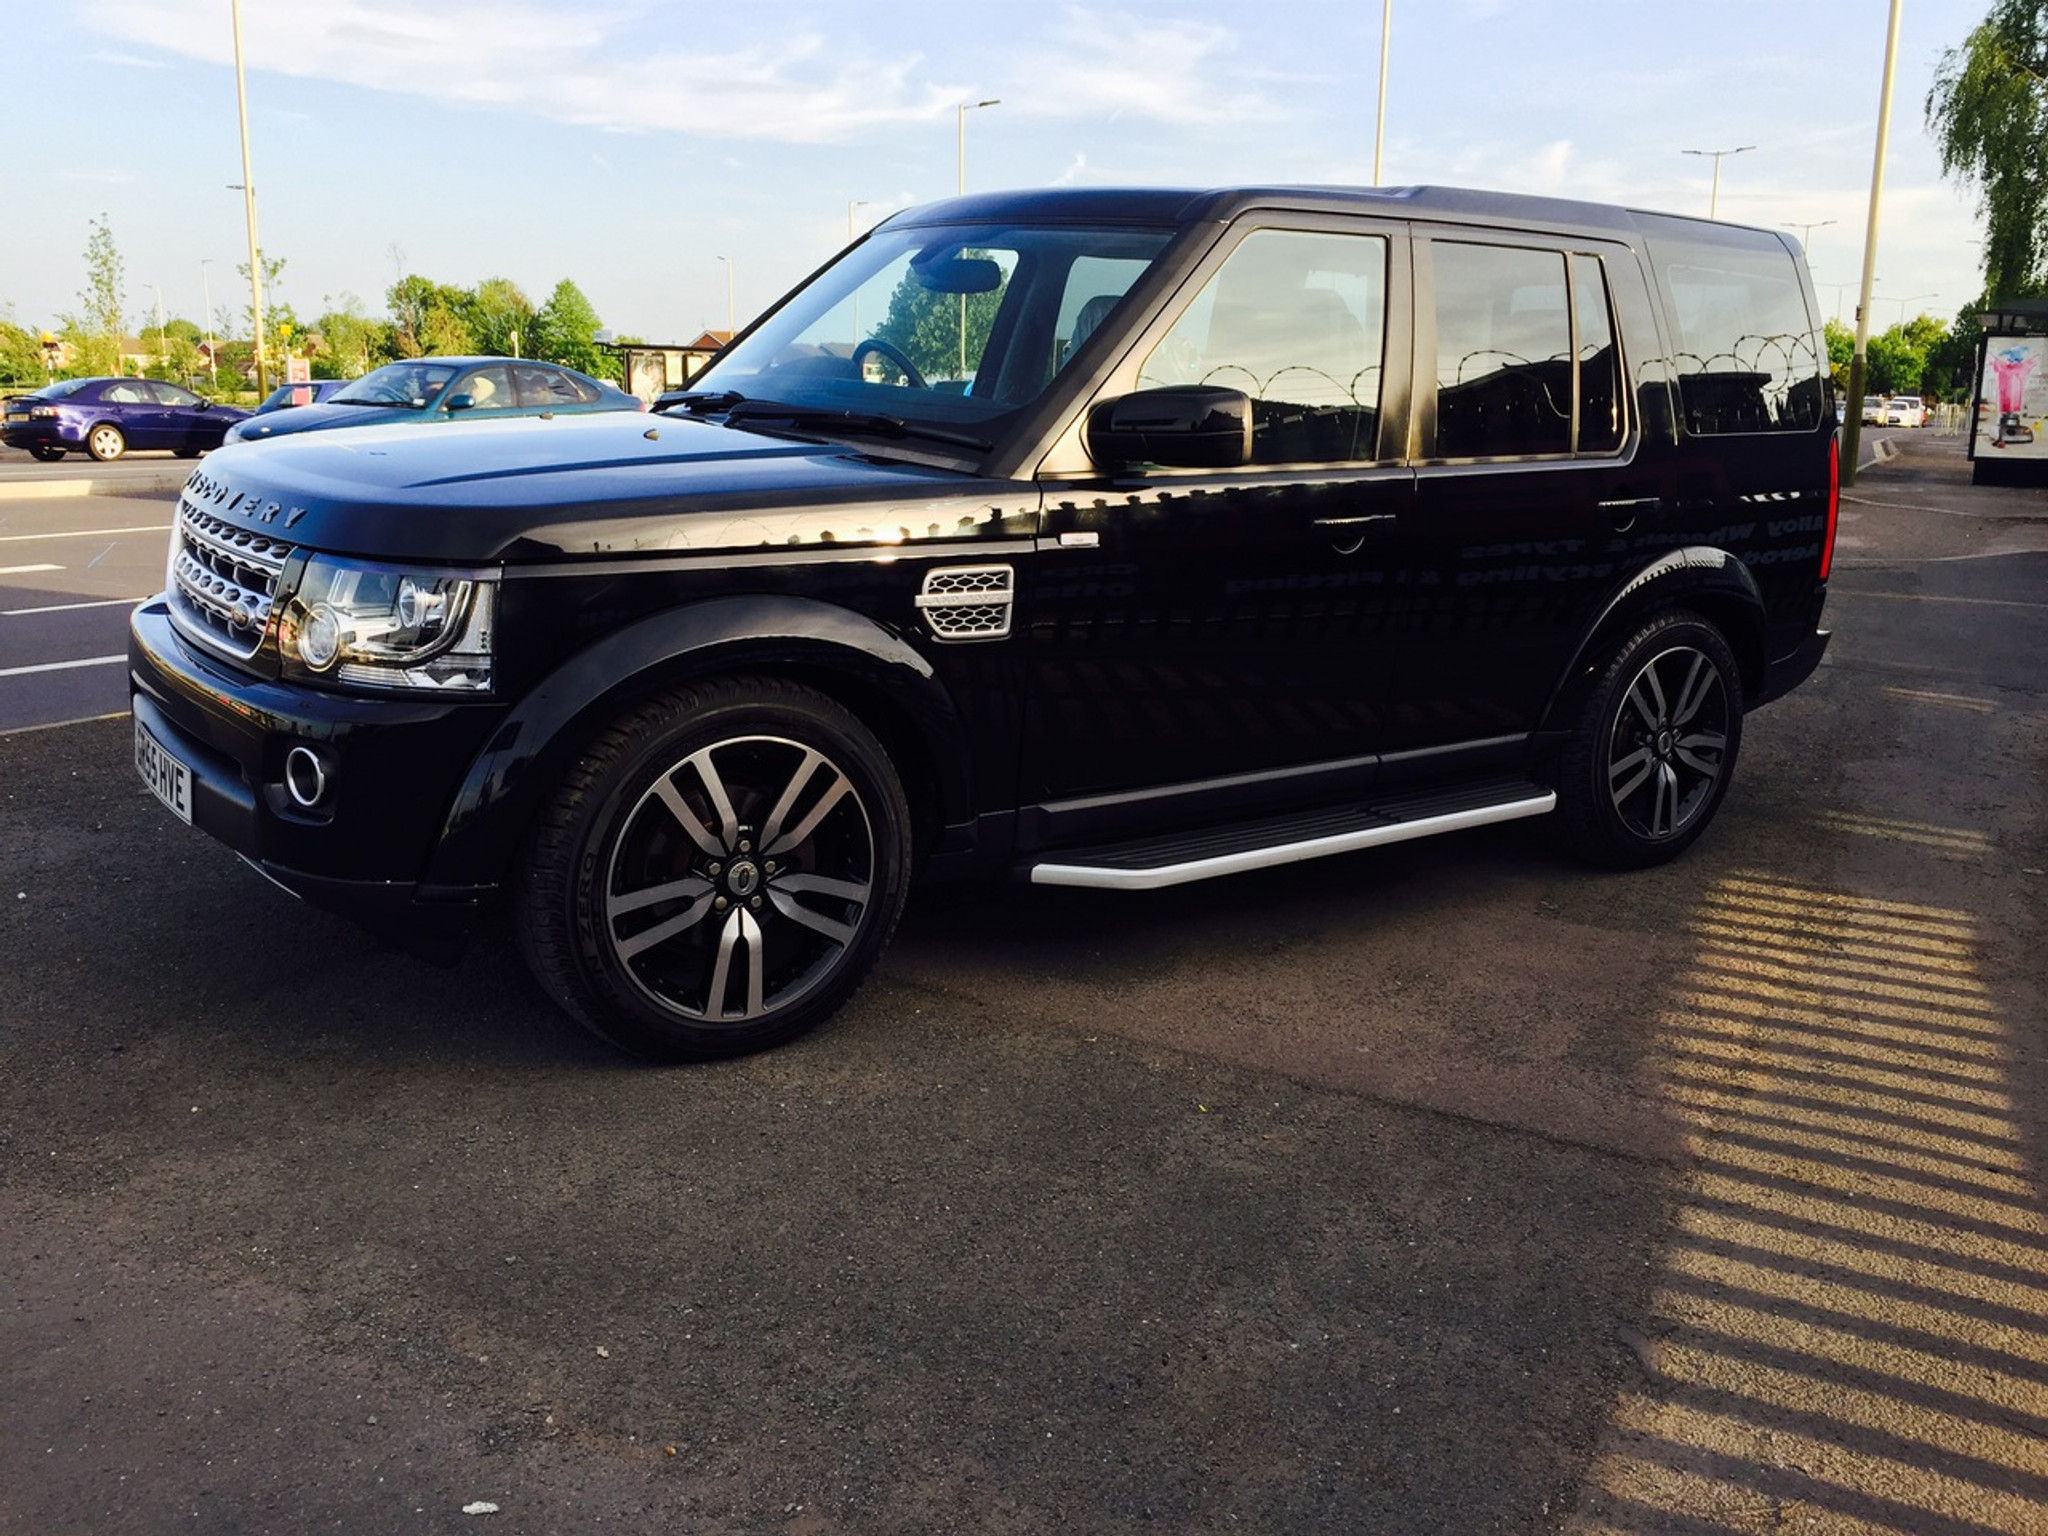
1107	538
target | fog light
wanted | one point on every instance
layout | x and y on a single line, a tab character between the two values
305	777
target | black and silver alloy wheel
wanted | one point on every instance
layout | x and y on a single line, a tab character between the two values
1655	744
720	871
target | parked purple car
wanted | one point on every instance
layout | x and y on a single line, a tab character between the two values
107	417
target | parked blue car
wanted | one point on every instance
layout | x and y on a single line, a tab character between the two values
439	389
107	417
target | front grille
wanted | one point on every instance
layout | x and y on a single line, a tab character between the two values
222	579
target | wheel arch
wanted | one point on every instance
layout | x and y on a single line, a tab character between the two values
1711	582
846	656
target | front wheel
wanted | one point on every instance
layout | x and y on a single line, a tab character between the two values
718	872
1654	747
105	442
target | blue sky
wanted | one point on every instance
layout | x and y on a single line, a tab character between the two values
649	149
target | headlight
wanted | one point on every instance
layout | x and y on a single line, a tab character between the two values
380	626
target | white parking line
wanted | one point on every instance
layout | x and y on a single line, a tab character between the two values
81	533
26	570
105	602
63	666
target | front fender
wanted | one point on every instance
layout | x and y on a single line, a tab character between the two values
1712	581
524	759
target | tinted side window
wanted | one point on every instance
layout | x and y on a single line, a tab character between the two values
1745	350
546	386
172	394
1503	352
1298	322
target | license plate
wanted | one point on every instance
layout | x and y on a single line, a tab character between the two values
168	779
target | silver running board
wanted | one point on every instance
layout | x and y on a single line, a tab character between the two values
1155	877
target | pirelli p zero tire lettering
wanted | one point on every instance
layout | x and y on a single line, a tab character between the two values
1654	745
719	871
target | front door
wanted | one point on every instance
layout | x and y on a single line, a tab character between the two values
1185	627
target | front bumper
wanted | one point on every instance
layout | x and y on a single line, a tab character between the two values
393	768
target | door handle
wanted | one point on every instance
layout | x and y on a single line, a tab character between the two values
1357	522
1623	511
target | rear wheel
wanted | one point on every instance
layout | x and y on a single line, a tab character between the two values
105	442
718	872
1655	745
49	453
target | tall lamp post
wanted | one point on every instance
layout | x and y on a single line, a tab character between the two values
1379	129
1852	427
1806	234
1718	155
249	213
960	187
730	327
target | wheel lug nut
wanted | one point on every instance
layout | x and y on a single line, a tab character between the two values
714	868
768	866
754	902
745	846
720	904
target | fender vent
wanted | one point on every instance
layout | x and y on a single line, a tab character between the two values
968	602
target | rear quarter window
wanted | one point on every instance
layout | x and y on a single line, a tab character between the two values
1745	349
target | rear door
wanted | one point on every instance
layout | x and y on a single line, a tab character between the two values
1530	481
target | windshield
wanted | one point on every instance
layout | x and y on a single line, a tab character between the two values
942	327
412	386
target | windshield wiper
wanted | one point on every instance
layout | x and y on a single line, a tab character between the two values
704	400
872	422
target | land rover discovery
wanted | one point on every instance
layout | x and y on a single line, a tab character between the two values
1097	538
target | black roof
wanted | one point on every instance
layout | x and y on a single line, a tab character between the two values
1190	205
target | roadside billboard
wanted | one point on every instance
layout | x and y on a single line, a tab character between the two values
2012	397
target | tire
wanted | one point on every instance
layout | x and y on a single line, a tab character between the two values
49	453
1654	746
718	872
105	442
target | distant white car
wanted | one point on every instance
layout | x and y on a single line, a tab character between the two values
1905	411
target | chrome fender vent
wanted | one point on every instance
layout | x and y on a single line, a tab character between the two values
968	602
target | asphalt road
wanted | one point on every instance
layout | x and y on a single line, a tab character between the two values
1447	1188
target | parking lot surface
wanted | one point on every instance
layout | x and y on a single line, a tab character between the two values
1449	1188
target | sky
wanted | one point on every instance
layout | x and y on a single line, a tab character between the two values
663	155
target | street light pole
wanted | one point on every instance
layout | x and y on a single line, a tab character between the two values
249	213
1852	425
960	189
158	291
1717	155
730	327
1806	234
1379	130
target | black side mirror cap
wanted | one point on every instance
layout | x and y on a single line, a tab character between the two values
1184	426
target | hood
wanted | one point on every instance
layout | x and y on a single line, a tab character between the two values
287	419
595	485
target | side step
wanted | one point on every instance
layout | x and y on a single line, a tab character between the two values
1147	864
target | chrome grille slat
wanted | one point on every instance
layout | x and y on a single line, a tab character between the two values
223	579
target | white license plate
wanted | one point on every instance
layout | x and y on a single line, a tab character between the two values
168	779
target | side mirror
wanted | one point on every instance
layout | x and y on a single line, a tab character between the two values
463	402
1185	426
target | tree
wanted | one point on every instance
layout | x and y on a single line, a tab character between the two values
500	317
565	331
428	317
1988	112
351	343
925	326
280	322
21	355
95	332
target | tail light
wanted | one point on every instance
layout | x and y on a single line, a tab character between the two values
1827	543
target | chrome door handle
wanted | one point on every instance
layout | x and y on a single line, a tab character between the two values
1357	522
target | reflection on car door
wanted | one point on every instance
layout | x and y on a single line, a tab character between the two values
1524	484
1191	625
